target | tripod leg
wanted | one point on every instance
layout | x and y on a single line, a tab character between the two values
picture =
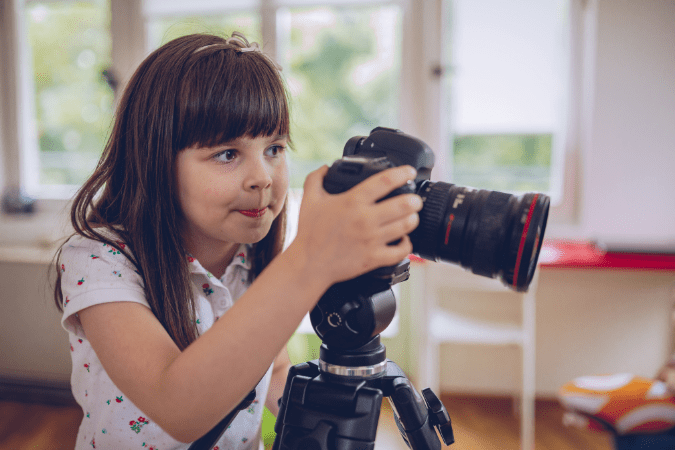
416	417
412	417
303	369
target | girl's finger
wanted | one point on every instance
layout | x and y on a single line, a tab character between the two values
314	181
379	185
393	254
396	208
397	229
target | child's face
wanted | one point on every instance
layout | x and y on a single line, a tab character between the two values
232	193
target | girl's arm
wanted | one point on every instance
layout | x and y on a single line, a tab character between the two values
282	364
187	393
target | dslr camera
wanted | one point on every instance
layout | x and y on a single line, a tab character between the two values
492	234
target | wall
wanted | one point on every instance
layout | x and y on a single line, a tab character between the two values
33	346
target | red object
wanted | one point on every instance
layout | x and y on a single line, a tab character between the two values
569	254
523	238
566	254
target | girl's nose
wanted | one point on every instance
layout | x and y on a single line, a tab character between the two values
260	175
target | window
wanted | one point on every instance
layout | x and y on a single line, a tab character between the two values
344	70
507	93
161	29
70	54
498	110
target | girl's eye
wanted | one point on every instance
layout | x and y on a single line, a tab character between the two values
225	156
275	150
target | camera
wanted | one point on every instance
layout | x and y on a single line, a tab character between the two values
491	233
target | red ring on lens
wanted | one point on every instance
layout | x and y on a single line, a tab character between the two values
522	240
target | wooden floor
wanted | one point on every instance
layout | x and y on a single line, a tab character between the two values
479	424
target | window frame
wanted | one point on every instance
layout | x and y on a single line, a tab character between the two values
421	108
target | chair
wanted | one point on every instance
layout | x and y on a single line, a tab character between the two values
438	325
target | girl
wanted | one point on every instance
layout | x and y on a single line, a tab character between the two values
174	288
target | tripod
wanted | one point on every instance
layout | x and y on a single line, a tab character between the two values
333	403
329	406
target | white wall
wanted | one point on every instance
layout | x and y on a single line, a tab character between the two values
32	343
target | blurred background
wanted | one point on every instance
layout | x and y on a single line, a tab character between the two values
573	98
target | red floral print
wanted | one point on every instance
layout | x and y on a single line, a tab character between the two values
136	425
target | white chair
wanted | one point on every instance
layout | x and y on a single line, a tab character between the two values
437	325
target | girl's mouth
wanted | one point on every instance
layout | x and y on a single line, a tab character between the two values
254	212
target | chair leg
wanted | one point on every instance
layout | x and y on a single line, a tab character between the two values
528	388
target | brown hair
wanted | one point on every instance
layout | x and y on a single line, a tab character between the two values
197	90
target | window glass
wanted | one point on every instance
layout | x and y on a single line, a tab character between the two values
506	92
342	66
70	45
163	29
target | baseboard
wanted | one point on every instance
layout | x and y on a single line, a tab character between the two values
36	391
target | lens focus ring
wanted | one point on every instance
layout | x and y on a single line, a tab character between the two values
431	216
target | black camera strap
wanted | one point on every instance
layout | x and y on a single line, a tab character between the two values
207	441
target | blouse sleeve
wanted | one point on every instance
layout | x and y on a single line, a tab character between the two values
93	273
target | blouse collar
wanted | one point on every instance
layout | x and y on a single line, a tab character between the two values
242	257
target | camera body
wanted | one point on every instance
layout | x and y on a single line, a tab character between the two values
382	149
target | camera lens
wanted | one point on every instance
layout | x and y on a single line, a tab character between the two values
494	234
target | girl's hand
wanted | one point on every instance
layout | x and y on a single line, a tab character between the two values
345	235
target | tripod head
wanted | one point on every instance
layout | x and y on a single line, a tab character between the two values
350	314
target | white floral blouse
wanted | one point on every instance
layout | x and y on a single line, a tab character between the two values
94	273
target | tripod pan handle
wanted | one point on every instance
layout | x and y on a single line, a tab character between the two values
438	416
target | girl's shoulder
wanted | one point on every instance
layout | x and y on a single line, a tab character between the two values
94	271
112	244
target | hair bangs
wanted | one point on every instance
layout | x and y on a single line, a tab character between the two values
243	95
